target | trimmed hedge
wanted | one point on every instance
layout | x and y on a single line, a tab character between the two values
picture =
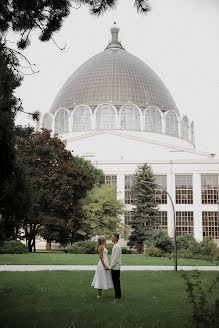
154	251
13	247
87	247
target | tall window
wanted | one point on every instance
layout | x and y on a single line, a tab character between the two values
210	224
129	179
172	124
105	118
184	223
209	189
184	189
110	179
192	132
47	122
152	118
82	119
185	128
130	118
61	121
128	217
162	221
160	194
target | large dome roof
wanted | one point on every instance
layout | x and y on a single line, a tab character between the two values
114	76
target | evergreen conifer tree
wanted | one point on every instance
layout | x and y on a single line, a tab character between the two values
146	213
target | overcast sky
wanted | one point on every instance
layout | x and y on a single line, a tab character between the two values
178	39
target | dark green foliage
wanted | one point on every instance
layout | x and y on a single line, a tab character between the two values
13	247
109	247
146	213
185	241
126	250
57	186
160	239
83	247
87	247
95	174
205	313
154	251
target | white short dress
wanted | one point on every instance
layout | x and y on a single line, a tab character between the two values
102	278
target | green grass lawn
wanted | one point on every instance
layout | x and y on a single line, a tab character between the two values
66	300
87	259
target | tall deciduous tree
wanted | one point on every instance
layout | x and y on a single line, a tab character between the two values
57	186
95	174
102	212
145	214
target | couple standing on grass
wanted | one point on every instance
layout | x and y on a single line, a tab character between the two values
108	275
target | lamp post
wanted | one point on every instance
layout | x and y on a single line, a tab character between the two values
174	220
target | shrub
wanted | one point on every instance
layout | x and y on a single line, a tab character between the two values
109	247
13	247
208	247
185	241
154	251
83	247
76	249
160	239
126	250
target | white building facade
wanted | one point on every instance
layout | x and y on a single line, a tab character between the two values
115	111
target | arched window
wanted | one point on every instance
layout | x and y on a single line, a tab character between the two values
61	121
47	122
185	129
130	118
82	119
172	124
192	132
105	118
152	118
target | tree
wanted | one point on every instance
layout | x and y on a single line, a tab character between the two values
95	174
47	16
57	186
145	214
101	212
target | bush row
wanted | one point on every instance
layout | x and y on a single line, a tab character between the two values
90	247
13	247
160	244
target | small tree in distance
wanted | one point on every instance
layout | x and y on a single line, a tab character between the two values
145	214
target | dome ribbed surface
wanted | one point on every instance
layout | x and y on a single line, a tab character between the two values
114	76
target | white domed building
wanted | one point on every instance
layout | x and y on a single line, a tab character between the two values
115	111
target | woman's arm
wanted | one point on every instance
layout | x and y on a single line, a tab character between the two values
101	257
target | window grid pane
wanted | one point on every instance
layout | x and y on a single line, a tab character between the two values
163	221
152	119
82	119
171	124
61	121
47	122
184	223
128	217
160	194
185	128
210	225
184	189
110	179
129	179
105	118
130	118
209	189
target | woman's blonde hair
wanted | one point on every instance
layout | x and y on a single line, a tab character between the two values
101	240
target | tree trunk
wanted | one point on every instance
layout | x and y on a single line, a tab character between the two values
34	243
48	245
29	245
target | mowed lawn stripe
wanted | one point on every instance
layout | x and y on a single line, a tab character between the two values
92	259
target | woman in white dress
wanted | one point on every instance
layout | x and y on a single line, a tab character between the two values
102	278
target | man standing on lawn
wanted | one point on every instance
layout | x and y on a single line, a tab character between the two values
115	265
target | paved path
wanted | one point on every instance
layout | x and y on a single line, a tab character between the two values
93	268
